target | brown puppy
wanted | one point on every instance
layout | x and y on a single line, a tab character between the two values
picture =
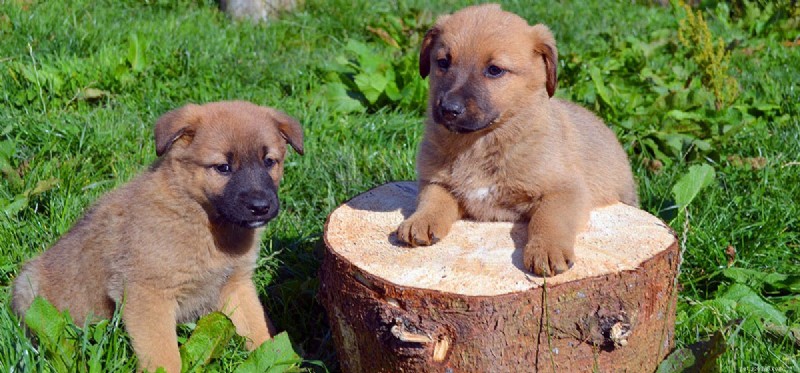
498	147
181	239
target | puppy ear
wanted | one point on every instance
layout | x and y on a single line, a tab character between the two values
425	52
173	125
290	129
544	44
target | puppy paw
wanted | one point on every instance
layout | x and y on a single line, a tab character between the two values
422	230
546	259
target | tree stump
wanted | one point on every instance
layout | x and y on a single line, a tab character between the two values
466	304
256	10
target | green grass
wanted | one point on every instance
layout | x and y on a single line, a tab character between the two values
145	58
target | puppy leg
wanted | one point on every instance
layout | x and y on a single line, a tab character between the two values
239	300
554	224
149	318
437	210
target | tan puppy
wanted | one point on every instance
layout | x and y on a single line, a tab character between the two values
498	147
181	239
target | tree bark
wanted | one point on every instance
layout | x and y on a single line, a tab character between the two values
466	305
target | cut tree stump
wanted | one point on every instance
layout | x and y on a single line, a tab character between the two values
466	304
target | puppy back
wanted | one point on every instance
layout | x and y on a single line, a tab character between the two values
605	164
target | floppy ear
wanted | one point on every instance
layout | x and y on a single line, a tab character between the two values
173	125
425	51
545	44
290	129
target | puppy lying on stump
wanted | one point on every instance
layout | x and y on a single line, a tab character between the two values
412	281
499	147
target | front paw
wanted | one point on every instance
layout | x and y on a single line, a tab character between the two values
548	258
422	230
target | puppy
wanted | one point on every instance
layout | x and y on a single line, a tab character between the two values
181	239
498	147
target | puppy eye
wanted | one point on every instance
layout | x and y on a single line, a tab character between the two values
494	71
222	168
443	63
269	162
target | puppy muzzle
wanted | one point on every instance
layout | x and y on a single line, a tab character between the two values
453	112
257	207
250	199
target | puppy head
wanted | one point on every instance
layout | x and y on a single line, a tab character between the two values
229	157
483	63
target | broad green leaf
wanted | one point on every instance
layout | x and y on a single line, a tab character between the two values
750	304
136	52
766	107
7	150
391	90
341	65
273	356
100	330
599	85
340	99
37	76
679	360
45	321
371	85
675	141
684	115
414	93
647	75
98	337
773	282
690	184
720	306
208	340
96	361
701	145
15	206
786	284
368	60
49	325
358	48
657	153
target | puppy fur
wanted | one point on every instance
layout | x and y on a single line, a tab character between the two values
498	147
179	240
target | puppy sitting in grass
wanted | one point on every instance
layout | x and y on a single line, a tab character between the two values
181	239
498	147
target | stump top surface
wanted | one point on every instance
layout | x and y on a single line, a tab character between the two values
481	259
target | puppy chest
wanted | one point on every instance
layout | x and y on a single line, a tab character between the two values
198	292
199	282
480	183
490	202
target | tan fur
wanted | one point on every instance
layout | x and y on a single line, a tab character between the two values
157	244
539	158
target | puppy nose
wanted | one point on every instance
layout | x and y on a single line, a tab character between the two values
451	109
257	202
258	207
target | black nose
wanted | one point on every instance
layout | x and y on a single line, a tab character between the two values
451	109
258	207
256	201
